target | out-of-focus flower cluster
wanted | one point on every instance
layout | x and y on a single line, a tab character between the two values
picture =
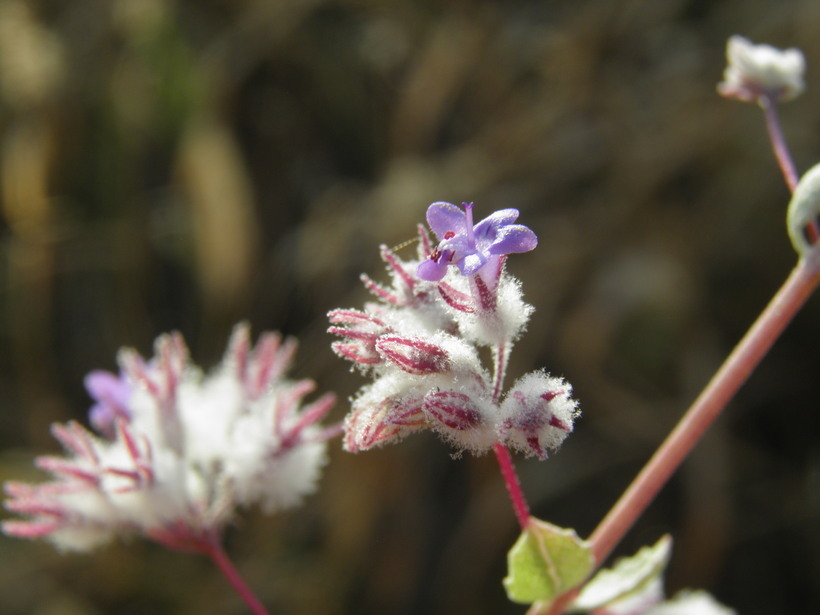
176	451
761	73
420	341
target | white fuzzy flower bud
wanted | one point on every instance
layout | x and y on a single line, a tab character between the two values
537	414
761	73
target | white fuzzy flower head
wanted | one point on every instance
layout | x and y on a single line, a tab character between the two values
177	452
761	73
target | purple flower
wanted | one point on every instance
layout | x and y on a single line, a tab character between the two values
111	394
471	247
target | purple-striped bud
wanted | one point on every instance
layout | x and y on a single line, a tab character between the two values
453	410
466	420
456	299
361	331
413	355
373	423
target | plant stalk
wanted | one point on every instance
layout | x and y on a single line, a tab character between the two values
707	407
781	150
214	550
519	502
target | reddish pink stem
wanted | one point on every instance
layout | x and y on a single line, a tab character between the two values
781	151
706	408
757	342
519	502
213	549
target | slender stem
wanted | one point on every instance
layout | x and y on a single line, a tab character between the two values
501	359
706	408
757	342
781	150
214	550
519	502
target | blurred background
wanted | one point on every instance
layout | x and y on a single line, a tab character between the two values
177	164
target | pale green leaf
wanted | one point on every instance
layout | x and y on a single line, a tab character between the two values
545	562
630	579
804	210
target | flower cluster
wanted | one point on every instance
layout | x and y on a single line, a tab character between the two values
176	452
761	73
421	341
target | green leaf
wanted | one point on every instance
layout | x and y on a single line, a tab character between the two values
804	212
629	578
545	562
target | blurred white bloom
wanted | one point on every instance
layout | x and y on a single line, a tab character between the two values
761	73
177	451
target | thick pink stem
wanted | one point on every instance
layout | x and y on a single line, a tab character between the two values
519	502
213	549
706	408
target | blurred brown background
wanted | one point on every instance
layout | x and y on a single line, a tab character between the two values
188	164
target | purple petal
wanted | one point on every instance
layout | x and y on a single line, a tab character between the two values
488	228
443	217
513	239
102	419
457	245
472	262
111	394
431	270
107	388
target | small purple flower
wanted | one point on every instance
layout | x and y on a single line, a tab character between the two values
111	394
471	247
